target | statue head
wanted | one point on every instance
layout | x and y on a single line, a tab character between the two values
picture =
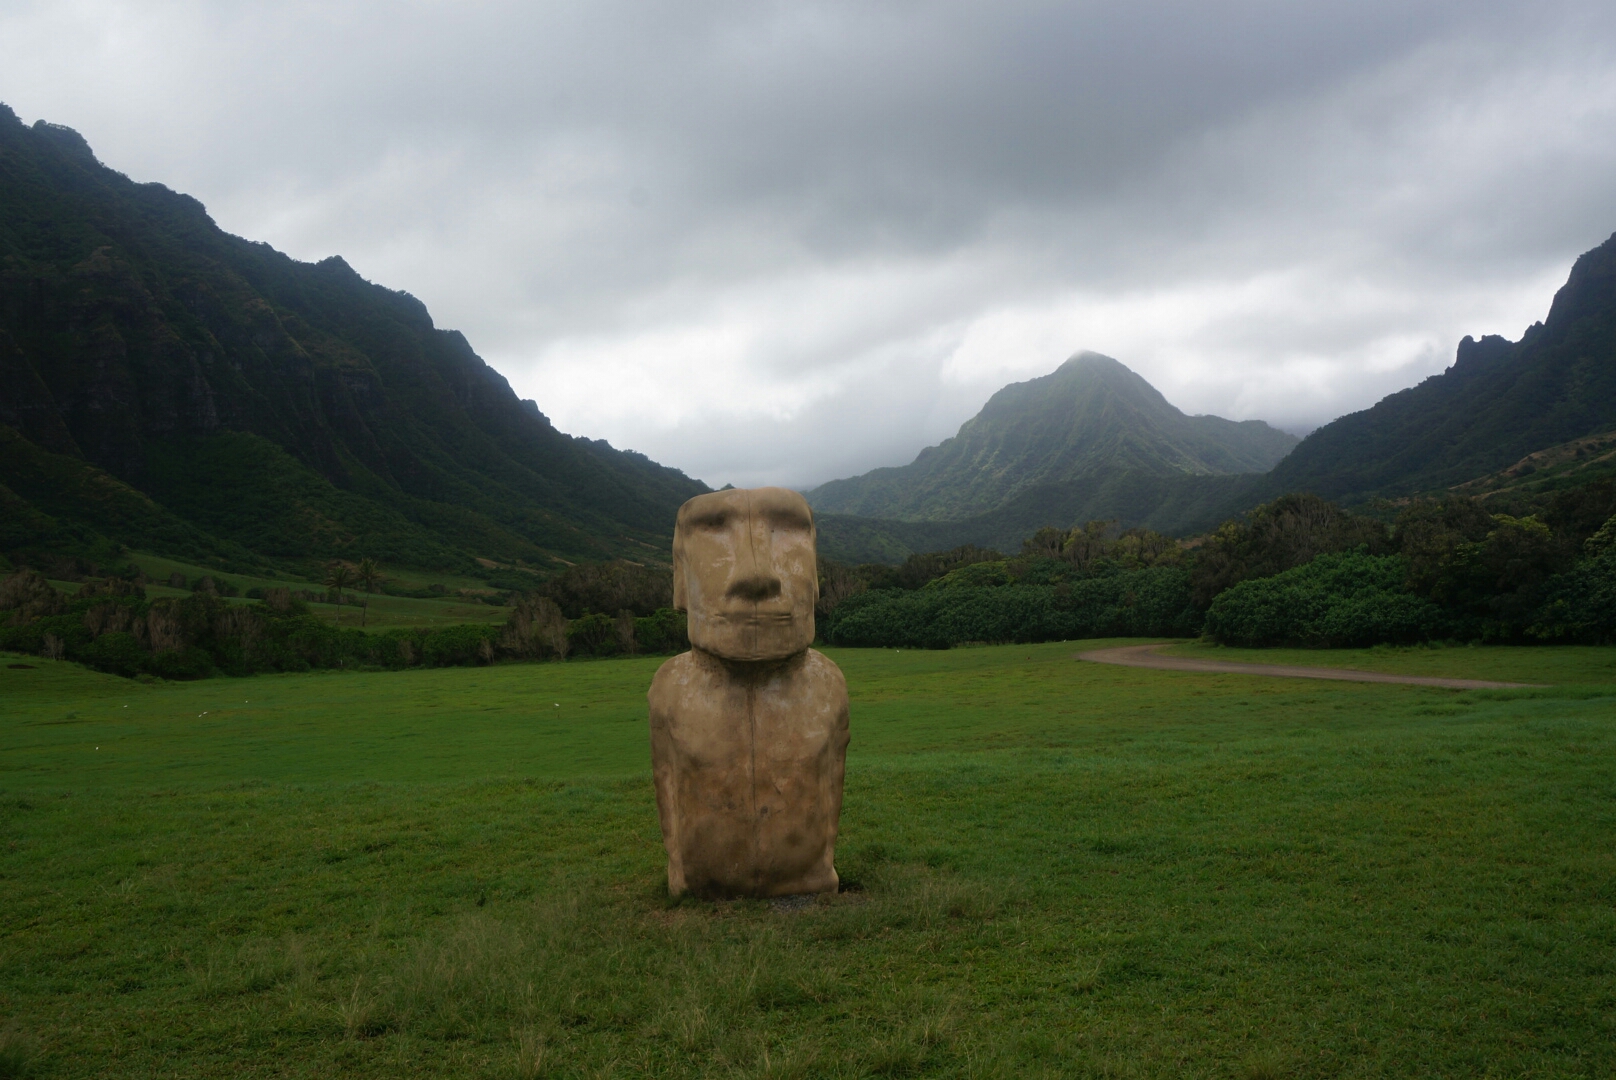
744	569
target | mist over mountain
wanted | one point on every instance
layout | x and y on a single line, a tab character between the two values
165	384
1087	423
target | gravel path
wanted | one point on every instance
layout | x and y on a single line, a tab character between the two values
1145	656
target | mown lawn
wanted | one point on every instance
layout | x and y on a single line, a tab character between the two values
1061	869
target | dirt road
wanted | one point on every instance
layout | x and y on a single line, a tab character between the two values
1145	656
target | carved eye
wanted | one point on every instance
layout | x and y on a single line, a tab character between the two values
711	521
788	521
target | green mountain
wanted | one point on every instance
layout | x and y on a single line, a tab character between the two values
166	385
1500	402
1092	433
1525	417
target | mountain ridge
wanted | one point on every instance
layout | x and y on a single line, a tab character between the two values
1497	403
142	342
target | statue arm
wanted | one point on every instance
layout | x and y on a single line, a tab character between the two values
663	771
835	770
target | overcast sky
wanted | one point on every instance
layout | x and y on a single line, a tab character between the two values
786	242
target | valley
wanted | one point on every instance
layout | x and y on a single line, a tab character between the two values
412	667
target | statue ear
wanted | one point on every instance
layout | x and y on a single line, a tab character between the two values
680	601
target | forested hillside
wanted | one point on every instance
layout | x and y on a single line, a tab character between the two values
166	385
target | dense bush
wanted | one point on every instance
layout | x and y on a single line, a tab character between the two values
1580	605
1141	602
1334	600
1298	570
610	587
663	631
1279	536
593	635
1497	581
838	582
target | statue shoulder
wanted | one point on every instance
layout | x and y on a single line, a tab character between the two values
678	674
822	669
675	670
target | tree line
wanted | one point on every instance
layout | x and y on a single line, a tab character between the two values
1296	571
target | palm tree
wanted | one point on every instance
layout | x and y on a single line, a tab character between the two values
370	576
338	575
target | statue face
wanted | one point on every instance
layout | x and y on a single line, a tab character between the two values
745	570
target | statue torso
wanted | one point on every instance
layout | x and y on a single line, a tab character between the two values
748	761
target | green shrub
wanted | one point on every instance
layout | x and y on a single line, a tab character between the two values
1334	600
664	631
1278	536
118	652
982	575
187	663
1580	605
610	586
1137	603
458	646
593	635
1498	581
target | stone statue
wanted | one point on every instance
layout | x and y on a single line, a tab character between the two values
748	728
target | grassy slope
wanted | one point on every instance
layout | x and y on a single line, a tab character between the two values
1580	461
385	611
1068	869
158	567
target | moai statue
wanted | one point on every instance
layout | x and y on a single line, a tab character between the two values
748	728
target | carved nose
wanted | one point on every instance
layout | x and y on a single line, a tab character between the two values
755	587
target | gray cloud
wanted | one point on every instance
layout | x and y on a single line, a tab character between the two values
786	242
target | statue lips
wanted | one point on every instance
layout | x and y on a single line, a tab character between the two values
754	635
757	618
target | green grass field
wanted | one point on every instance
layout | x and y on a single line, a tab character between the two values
1062	869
